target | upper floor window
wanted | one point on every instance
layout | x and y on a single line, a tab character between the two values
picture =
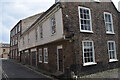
19	28
45	55
3	50
41	31
13	41
88	53
16	30
53	25
112	51
85	19
36	34
23	41
108	22
28	38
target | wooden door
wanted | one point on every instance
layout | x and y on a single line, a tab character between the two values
60	58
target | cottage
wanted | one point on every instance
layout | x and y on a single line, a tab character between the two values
79	37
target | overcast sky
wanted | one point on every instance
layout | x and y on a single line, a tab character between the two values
14	10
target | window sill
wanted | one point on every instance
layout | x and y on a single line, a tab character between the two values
46	62
88	64
40	61
86	31
110	33
113	60
96	1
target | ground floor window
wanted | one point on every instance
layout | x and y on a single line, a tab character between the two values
112	51
40	55
45	55
88	53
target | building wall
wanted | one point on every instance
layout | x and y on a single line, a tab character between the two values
4	54
27	22
99	36
14	37
47	37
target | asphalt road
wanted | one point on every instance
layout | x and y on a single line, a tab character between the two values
13	70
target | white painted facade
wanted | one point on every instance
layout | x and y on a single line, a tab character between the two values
47	37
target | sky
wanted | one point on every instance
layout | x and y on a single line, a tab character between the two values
14	10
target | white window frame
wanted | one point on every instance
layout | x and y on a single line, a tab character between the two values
28	38
88	63
40	55
36	34
115	54
108	32
88	31
41	31
96	0
19	28
16	30
53	31
45	55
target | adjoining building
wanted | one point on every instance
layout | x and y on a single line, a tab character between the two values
73	37
4	50
15	33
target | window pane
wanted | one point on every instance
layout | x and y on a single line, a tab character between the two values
88	52
111	49
85	19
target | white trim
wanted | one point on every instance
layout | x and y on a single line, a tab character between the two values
58	47
91	31
97	0
107	32
33	50
26	51
112	60
88	63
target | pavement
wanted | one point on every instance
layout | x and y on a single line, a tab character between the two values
12	70
111	74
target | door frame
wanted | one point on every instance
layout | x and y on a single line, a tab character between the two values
59	47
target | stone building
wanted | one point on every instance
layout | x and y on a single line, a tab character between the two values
4	50
79	37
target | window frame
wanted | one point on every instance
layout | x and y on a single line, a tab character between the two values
45	49
40	55
97	0
28	38
36	34
108	32
41	31
19	27
87	31
51	21
115	54
93	53
4	50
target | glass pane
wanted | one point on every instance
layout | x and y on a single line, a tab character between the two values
110	55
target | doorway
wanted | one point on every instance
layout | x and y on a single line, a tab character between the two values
60	58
